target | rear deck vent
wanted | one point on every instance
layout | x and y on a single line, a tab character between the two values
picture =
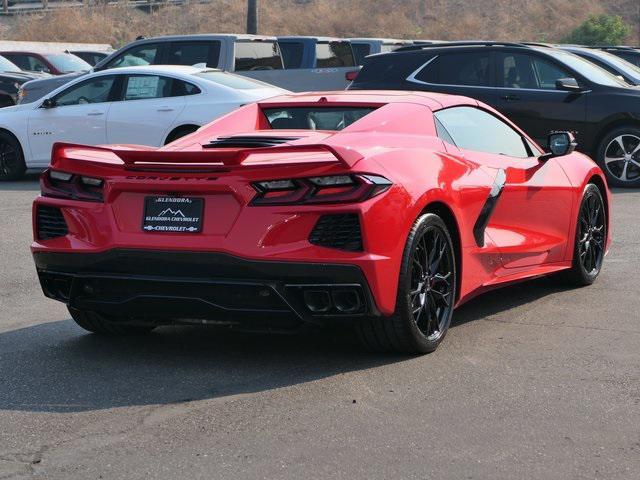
50	223
341	231
256	141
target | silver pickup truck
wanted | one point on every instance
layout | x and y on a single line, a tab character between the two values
254	56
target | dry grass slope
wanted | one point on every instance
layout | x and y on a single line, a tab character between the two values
543	20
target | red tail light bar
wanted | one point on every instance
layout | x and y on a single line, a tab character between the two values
319	190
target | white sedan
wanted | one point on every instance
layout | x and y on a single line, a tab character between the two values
151	105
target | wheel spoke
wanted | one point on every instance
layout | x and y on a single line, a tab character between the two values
621	144
613	159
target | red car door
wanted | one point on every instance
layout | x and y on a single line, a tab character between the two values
528	214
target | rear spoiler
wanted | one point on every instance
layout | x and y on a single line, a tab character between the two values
136	157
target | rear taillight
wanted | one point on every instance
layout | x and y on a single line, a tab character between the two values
351	76
315	190
58	184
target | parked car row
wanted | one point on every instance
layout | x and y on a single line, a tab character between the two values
542	88
151	105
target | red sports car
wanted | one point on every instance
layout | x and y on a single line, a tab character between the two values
382	210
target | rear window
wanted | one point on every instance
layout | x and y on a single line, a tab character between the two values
313	118
360	50
291	54
232	81
68	63
388	70
257	56
334	54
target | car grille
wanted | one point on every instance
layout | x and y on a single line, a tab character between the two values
50	223
341	231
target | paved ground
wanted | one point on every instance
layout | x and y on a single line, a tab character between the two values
533	381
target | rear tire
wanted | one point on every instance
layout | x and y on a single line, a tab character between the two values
590	239
96	323
426	293
12	166
618	156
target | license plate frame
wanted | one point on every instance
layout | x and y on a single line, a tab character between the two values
168	214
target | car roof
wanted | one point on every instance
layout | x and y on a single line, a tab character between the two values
309	37
373	97
180	69
382	40
205	36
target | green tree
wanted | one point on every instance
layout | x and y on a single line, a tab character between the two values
599	30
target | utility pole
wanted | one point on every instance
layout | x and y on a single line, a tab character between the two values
252	16
5	6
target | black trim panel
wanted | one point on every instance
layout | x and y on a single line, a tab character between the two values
489	206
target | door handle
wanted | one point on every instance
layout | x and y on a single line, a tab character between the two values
95	114
165	109
510	98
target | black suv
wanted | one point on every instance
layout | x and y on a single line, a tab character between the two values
539	88
630	54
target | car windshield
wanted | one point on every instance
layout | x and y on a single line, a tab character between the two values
232	81
587	69
67	63
314	118
618	62
7	66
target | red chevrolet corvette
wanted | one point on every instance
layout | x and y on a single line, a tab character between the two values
382	210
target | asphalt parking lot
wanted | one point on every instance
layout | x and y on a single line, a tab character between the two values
533	381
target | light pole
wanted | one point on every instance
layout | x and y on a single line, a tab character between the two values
252	16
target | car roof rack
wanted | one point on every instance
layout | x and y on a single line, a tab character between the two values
540	44
612	47
426	46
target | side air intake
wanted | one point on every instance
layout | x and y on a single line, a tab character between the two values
340	231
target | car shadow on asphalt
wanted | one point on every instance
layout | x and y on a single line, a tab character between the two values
30	182
57	367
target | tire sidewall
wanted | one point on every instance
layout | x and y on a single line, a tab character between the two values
611	179
403	307
587	277
19	169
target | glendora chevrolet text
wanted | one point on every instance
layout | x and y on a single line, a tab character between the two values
374	209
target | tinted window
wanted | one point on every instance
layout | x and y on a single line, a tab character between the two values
144	87
635	59
517	70
391	70
181	88
90	57
313	118
96	90
232	81
7	66
146	54
587	69
291	54
191	53
474	129
257	56
469	68
28	62
360	50
334	54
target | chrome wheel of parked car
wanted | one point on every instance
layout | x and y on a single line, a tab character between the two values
622	158
431	294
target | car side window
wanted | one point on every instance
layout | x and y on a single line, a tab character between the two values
181	88
192	53
145	87
291	54
360	50
474	129
251	55
96	90
519	70
334	54
464	68
29	62
146	54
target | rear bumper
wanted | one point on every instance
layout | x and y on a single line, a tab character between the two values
185	287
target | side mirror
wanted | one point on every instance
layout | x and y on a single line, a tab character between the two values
560	144
48	103
568	85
